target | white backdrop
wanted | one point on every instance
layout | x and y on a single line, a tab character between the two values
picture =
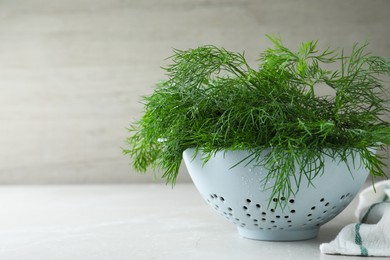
72	71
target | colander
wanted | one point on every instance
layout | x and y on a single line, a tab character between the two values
236	193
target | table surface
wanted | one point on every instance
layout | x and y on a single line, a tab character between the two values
134	222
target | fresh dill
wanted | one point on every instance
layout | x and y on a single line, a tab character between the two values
214	101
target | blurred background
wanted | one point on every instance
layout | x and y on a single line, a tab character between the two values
72	72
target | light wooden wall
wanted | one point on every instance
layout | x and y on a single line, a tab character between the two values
72	71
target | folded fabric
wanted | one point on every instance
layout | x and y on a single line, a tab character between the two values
370	237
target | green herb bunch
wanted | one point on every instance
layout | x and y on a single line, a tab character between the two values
214	101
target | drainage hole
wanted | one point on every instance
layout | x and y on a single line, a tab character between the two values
313	208
248	215
230	209
291	200
309	215
248	200
322	200
222	199
292	211
258	206
245	208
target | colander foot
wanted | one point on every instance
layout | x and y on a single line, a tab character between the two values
278	235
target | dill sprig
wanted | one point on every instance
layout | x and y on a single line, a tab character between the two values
214	101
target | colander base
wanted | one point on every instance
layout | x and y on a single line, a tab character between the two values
290	235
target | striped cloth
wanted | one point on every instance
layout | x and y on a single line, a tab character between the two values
370	237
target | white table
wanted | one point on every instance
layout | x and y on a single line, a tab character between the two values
113	222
